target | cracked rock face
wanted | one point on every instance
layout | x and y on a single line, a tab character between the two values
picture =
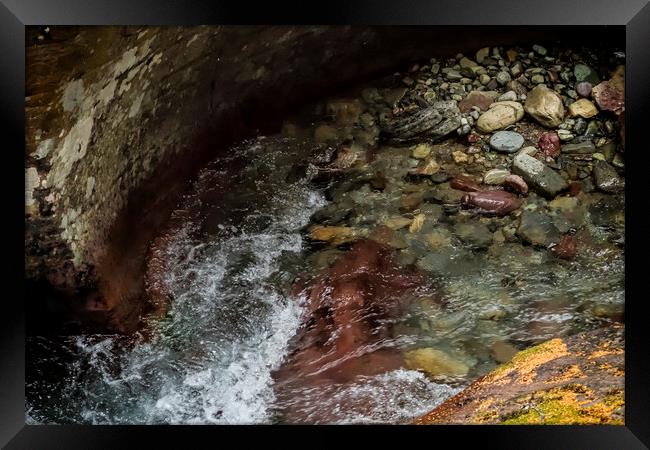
435	122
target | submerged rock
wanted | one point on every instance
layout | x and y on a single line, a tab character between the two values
538	175
607	178
421	151
545	106
537	228
495	176
492	202
333	234
502	352
366	278
474	234
464	184
435	363
567	248
516	183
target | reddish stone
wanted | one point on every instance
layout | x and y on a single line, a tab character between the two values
516	86
574	188
516	183
584	89
549	142
567	248
496	202
609	97
472	138
475	98
464	184
348	307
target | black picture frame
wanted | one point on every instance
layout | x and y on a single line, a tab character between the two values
634	15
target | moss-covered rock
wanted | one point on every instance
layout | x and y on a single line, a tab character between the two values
570	381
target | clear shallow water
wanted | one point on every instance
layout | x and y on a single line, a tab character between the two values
231	257
212	355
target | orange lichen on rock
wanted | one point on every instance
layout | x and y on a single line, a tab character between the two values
575	380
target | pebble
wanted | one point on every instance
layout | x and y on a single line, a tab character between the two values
530	151
464	184
583	108
474	234
493	202
428	167
537	175
502	352
607	178
503	77
466	63
495	176
333	234
536	228
506	141
500	115
609	97
581	148
618	161
326	133
567	248
482	54
396	223
516	184
565	135
549	142
435	363
421	151
539	49
583	72
545	106
480	99
580	127
510	96
453	75
583	88
460	157
537	79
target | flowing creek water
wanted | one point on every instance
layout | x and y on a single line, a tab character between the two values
242	331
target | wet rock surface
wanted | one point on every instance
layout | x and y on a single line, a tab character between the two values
538	175
572	381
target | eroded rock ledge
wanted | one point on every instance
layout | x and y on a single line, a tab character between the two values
576	380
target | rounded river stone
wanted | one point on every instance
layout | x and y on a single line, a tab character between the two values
506	141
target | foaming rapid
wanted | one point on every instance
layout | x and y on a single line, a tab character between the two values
228	265
227	327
